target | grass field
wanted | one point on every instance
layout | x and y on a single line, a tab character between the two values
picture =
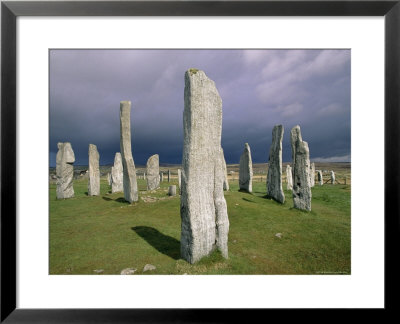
106	233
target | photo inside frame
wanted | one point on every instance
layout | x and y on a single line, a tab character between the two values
39	288
199	161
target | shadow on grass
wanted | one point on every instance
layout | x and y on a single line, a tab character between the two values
120	200
272	198
163	243
267	197
245	199
245	191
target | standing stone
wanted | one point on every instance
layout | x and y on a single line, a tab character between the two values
289	177
246	170
161	177
117	174
179	180
129	178
205	223
65	171
169	175
144	175
109	178
312	174
172	190
320	178
332	177
226	182
301	170
274	178
94	171
153	172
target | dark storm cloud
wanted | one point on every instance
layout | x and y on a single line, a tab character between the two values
259	89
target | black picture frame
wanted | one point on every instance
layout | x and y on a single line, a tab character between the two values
10	10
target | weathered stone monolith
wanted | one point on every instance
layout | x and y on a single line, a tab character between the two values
246	170
301	171
205	223
169	175
65	171
117	174
320	178
289	177
312	174
172	190
109	178
94	171
153	172
274	178
333	177
129	178
179	180
161	176
226	182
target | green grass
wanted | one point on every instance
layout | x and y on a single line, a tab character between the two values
105	232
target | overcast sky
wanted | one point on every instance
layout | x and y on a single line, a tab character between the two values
259	89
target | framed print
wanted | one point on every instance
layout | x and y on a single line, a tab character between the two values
92	231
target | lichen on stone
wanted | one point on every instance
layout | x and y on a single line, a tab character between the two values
193	71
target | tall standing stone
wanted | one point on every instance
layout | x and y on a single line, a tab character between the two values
226	182
320	178
312	174
332	177
109	178
161	176
153	172
289	177
94	171
65	171
117	174
274	178
301	170
169	175
179	179
246	170
129	179
205	223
